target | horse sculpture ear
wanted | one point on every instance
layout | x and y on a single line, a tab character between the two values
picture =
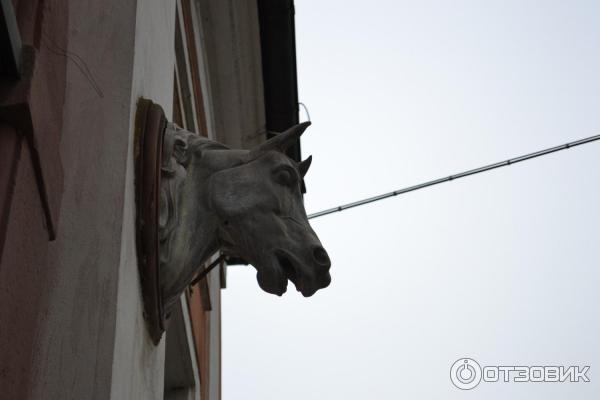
304	165
282	141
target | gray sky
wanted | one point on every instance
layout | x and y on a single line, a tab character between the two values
501	267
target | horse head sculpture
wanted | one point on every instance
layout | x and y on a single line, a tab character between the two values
262	219
245	203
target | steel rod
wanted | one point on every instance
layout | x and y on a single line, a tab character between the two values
455	176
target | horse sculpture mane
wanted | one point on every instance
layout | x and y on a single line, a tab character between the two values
179	147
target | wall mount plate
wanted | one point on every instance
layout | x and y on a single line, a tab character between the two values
149	131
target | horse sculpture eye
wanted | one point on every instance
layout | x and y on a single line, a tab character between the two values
285	177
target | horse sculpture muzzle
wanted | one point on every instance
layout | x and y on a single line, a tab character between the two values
308	274
305	263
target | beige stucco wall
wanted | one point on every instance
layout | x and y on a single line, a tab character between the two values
138	365
231	44
91	341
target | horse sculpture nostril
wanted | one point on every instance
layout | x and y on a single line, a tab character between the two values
321	257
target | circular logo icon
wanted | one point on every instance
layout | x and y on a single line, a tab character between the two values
465	373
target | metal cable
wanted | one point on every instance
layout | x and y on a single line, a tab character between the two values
305	110
455	176
206	270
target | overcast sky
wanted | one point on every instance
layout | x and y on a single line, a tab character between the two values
502	267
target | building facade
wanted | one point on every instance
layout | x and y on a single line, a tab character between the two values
71	73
